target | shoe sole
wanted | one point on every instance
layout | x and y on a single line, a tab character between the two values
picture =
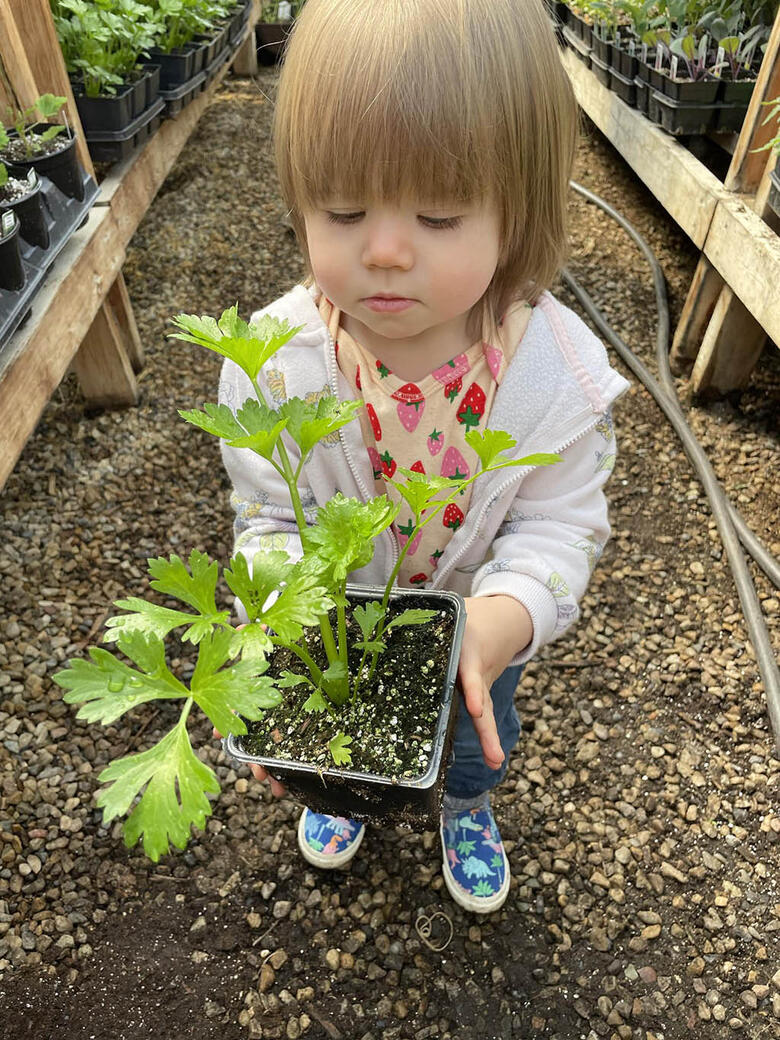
476	904
333	859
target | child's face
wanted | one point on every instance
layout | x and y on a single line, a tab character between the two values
408	275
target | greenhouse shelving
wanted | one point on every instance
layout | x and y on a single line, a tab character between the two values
733	303
82	317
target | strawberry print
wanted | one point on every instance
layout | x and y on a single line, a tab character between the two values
417	467
472	407
358	384
435	442
383	370
451	390
453	516
373	418
388	464
433	559
376	462
455	369
454	465
494	357
418	579
411	405
404	533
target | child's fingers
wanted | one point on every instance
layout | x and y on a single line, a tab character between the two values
277	790
480	706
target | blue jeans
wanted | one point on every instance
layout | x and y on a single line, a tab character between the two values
467	775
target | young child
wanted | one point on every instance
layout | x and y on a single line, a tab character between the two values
424	149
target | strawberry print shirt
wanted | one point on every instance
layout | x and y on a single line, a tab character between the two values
422	426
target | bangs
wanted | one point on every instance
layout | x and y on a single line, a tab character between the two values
374	123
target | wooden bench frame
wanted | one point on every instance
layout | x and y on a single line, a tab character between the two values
82	317
733	303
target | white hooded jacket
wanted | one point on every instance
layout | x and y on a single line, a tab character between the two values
533	533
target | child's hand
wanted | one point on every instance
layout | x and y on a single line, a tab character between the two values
497	628
259	773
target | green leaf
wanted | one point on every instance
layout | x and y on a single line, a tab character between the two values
149	619
316	702
107	687
49	105
196	587
241	690
420	489
372	645
343	536
288	679
339	750
302	598
488	444
217	419
541	458
252	642
248	345
413	617
335	682
176	784
367	616
310	422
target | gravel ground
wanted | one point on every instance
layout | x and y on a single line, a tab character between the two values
640	810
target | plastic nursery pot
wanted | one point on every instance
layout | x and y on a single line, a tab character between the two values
152	83
642	88
736	92
175	66
61	166
347	792
29	209
602	48
198	49
624	62
600	69
624	87
579	47
679	119
687	91
11	269
108	112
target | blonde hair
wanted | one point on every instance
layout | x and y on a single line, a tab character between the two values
434	100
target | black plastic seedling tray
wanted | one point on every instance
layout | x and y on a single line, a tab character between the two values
624	87
368	796
115	145
63	215
679	119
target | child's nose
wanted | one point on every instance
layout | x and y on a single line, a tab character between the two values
387	245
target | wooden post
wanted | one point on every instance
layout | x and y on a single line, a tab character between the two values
102	366
17	82
119	300
38	38
731	339
245	61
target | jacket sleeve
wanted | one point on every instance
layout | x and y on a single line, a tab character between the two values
548	544
264	517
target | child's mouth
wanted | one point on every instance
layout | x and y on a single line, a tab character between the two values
391	304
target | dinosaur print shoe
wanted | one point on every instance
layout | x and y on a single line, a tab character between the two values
475	866
328	841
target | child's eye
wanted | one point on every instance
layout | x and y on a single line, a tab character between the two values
441	222
344	218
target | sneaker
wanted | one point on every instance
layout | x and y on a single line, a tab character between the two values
328	841
475	867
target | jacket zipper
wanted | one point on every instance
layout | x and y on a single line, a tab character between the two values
367	496
517	476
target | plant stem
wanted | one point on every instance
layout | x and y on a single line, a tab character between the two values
302	655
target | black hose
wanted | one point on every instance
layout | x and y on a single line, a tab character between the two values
722	509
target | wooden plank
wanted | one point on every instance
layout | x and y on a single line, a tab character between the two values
39	38
102	366
36	358
746	253
119	300
17	80
696	313
682	184
731	346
